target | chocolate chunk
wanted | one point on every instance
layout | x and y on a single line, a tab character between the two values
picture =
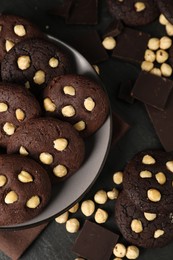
152	90
61	10
113	29
83	12
125	91
95	242
131	45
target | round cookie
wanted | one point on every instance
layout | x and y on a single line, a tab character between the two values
141	228
148	181
25	189
166	8
54	143
34	62
78	100
17	105
14	29
133	12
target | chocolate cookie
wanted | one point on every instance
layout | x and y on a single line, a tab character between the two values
34	62
17	105
166	8
148	181
54	143
14	29
133	12
25	189
78	100
142	228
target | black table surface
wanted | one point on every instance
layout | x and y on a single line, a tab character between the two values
55	242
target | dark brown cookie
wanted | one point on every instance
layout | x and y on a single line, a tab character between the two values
78	100
25	189
17	105
133	12
142	228
14	29
35	62
54	143
166	8
148	181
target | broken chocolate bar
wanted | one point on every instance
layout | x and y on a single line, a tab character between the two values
113	29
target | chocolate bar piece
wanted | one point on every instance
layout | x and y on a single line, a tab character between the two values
152	90
61	9
125	91
131	45
113	29
95	242
83	12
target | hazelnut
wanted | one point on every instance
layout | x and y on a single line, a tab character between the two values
69	90
23	62
132	252
19	30
163	20
46	158
25	177
150	216
3	180
165	42
3	107
154	195
23	151
166	70
119	250
160	177
113	194
9	128
169	166
8	45
139	6
161	56
20	114
109	43
158	233
74	208
148	159
39	77
53	62
101	216
147	65
33	202
136	226
153	44
149	55
145	174
80	126
169	29
68	111
87	207
72	225
11	197
60	170
89	104
49	105
60	144
156	71
62	218
100	197
118	177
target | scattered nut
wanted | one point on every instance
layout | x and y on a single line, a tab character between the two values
96	69
11	197
101	216
136	226
69	90
169	165
74	208
132	252
89	104
3	180
154	195
148	159
72	225
163	20
23	151
53	62
156	71
39	77
169	29
49	105
109	43
160	177
20	114
80	126
139	6
158	233
33	202
166	70
60	170
23	62
100	197
154	44
46	158
149	55
9	128
62	218
119	250
118	177
161	56
8	45
165	42
19	30
87	207
150	216
145	174
113	194
3	107
25	177
60	144
68	111
147	65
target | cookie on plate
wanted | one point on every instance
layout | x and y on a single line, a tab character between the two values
14	29
142	228
34	62
25	189
148	181
133	12
54	143
78	100
17	105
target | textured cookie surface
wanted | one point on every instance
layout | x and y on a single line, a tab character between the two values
54	143
133	12
142	228
78	100
25	189
148	181
34	62
17	105
14	29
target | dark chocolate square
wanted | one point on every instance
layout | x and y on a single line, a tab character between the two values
125	91
152	90
113	29
131	45
61	9
95	242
